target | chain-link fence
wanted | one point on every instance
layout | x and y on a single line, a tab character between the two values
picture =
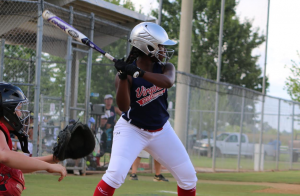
243	133
252	129
42	60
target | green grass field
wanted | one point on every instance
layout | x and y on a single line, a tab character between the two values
47	185
231	162
246	163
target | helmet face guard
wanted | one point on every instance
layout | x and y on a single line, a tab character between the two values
148	37
166	56
14	104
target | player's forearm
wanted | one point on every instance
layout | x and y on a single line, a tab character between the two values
123	96
159	80
20	161
48	159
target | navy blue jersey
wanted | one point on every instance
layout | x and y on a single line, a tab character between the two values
148	103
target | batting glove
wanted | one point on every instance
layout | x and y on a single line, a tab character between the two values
134	71
120	65
122	76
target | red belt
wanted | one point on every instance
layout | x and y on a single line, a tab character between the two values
159	129
152	130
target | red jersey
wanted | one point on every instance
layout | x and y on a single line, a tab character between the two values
12	180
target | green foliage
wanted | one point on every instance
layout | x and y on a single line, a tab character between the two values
103	72
236	128
125	3
20	68
239	39
53	76
292	83
239	66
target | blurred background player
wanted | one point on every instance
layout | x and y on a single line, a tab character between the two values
157	166
13	118
101	138
144	123
91	123
111	112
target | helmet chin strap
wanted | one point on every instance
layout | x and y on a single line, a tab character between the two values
23	140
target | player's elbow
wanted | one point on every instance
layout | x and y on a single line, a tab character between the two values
124	108
123	102
168	83
123	105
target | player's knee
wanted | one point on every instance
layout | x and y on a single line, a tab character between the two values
115	178
186	175
188	181
116	173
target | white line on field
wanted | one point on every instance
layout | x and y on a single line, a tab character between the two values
172	192
169	192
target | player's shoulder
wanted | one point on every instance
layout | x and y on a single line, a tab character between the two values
169	64
168	67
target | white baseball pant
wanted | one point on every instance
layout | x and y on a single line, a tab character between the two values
164	146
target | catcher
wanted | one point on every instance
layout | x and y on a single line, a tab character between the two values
13	118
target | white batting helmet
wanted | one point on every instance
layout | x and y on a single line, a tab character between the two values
146	36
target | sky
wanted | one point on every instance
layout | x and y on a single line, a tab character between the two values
283	39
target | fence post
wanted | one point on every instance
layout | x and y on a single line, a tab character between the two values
261	133
184	65
41	125
189	122
38	68
292	140
241	130
2	59
218	80
89	72
278	137
68	72
29	77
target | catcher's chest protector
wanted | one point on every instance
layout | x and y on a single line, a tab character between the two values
12	181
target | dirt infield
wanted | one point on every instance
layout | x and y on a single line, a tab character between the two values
272	187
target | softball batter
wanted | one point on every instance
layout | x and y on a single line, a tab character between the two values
145	123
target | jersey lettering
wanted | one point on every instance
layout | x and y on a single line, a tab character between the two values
144	91
153	93
151	97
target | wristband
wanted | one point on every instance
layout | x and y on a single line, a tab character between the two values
142	72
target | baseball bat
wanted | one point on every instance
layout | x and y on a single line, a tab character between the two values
77	35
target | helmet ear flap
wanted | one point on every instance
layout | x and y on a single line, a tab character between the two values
151	51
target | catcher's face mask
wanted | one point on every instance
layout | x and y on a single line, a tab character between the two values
13	104
23	115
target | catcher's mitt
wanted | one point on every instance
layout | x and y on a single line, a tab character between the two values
75	141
